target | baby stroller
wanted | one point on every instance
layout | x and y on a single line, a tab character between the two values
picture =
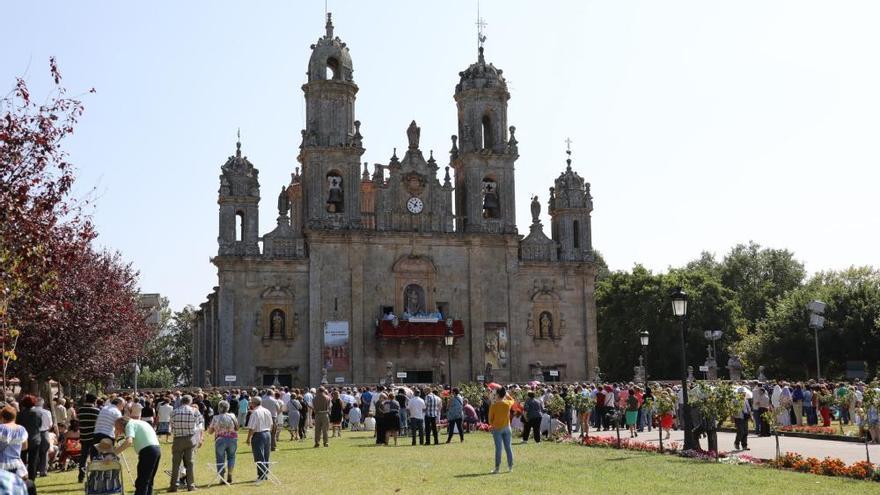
103	473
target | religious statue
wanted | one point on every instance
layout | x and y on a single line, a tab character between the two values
491	205
334	196
412	134
413	299
546	322
276	324
536	209
761	376
690	373
598	372
324	376
283	202
207	378
735	367
552	201
389	372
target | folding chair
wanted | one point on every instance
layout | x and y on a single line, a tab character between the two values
219	473
267	472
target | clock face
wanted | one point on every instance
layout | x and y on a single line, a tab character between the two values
414	205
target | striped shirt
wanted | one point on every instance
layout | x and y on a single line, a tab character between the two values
106	423
87	416
432	406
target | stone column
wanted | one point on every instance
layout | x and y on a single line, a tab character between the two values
315	330
358	324
590	325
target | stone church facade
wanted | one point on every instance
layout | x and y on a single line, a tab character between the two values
367	273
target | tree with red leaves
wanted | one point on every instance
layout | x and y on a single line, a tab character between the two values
57	296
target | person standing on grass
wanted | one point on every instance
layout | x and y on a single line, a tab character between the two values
499	418
259	432
87	415
142	435
533	412
224	426
455	416
186	422
321	406
415	408
432	412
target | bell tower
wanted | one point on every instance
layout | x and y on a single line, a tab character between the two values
483	153
239	201
570	209
331	142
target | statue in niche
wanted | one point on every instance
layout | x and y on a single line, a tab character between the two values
536	209
283	202
276	324
546	324
530	326
414	299
334	194
491	205
413	132
552	201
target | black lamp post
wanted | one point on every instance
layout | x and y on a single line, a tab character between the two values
679	309
450	341
644	336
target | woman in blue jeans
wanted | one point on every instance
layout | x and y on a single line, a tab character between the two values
499	418
224	426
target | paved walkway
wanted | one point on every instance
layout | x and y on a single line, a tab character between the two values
765	447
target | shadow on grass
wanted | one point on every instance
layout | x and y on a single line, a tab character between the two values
474	475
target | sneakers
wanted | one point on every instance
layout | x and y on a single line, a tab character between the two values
494	471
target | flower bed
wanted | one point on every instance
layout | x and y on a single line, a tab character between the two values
828	466
816	430
627	444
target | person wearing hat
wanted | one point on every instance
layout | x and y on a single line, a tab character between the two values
141	435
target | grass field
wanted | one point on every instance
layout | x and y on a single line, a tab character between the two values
354	464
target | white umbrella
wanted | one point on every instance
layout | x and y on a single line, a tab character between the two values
348	399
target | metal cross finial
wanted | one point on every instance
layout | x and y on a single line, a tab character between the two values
568	142
481	23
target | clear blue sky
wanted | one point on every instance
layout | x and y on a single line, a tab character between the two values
699	124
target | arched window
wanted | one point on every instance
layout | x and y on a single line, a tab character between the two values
491	203
487	133
335	195
239	226
332	69
576	232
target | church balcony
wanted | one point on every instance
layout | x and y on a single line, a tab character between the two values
386	329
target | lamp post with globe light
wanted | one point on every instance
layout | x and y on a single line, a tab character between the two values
679	309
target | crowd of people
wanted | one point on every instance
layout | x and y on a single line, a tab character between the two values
37	438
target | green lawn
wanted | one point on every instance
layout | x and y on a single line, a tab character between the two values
354	464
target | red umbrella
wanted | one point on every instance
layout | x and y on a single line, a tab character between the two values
493	385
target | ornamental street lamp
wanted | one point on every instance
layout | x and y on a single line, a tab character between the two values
817	321
679	309
450	341
644	336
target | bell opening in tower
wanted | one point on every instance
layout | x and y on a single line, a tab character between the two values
487	132
332	69
239	226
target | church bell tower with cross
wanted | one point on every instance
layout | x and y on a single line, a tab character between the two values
570	207
485	150
331	142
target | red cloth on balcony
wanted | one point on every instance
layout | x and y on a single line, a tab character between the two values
407	330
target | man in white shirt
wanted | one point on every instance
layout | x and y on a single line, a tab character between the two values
415	407
259	432
45	427
308	397
105	425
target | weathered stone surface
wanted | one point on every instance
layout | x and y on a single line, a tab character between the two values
356	244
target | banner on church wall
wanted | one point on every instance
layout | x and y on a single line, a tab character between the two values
336	350
497	345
